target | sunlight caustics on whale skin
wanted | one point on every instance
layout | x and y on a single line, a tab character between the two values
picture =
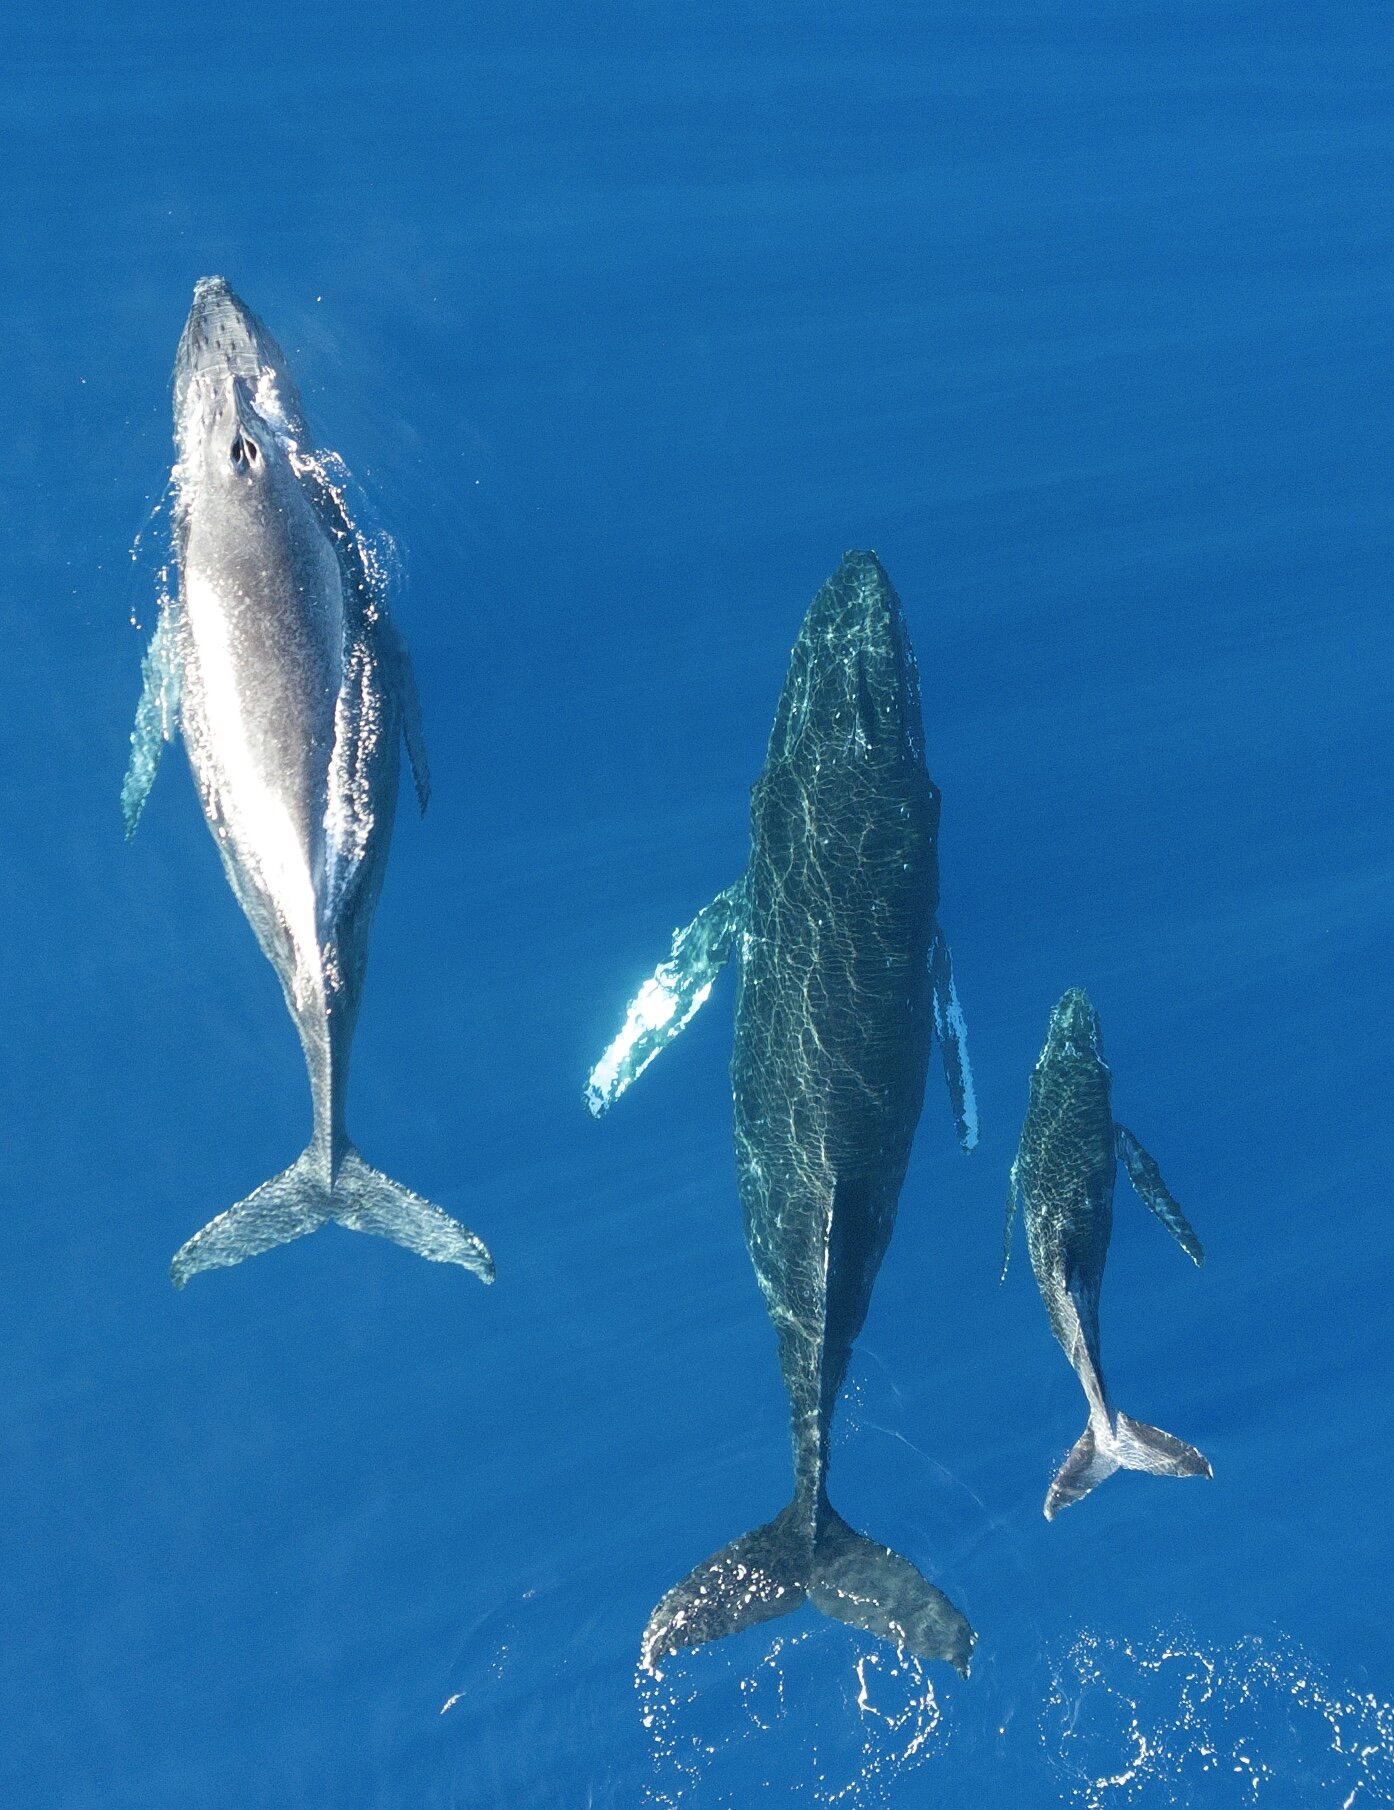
1064	1173
279	662
843	979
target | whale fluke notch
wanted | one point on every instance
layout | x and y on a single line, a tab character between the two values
774	1569
297	1202
1134	1446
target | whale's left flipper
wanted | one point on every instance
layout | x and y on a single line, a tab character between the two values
952	1033
157	717
670	999
1013	1202
773	1569
1146	1177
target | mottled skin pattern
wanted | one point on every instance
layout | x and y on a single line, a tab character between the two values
294	694
833	1013
843	979
1065	1170
305	635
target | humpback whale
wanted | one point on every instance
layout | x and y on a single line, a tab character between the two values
280	665
844	978
1064	1171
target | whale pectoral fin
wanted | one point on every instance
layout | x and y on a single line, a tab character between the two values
404	681
1013	1201
757	1577
868	1586
952	1033
670	999
1146	1177
157	718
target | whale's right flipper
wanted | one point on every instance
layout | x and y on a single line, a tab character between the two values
1013	1202
296	1202
157	716
1146	1177
952	1033
670	999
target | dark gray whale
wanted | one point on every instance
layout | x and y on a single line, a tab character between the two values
844	978
1064	1171
280	664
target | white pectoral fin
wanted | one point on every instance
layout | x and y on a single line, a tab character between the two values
404	679
952	1033
669	999
1146	1177
157	718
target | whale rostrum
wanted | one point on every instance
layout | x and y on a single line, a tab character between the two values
1064	1172
279	663
844	979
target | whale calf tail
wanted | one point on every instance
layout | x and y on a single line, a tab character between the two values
297	1201
1128	1445
779	1566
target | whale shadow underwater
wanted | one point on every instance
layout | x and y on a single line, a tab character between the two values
844	979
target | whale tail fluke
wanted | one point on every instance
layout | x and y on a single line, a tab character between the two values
777	1567
1131	1445
297	1201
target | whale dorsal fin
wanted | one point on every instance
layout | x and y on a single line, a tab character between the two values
670	998
157	715
1146	1177
952	1033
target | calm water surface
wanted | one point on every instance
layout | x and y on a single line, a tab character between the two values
629	321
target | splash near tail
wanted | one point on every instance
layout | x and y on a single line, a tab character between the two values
297	1201
774	1569
1130	1445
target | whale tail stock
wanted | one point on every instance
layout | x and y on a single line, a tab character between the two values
775	1568
1129	1445
297	1201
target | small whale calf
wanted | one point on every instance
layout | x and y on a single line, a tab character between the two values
293	691
1064	1172
844	979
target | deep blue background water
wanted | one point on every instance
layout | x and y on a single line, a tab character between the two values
630	319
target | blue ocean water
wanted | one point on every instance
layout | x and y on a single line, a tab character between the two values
629	320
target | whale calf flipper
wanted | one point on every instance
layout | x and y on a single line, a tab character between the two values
952	1032
670	999
867	1585
157	717
296	1202
1146	1178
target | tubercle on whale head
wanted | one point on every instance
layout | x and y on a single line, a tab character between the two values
1074	1028
853	685
223	339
